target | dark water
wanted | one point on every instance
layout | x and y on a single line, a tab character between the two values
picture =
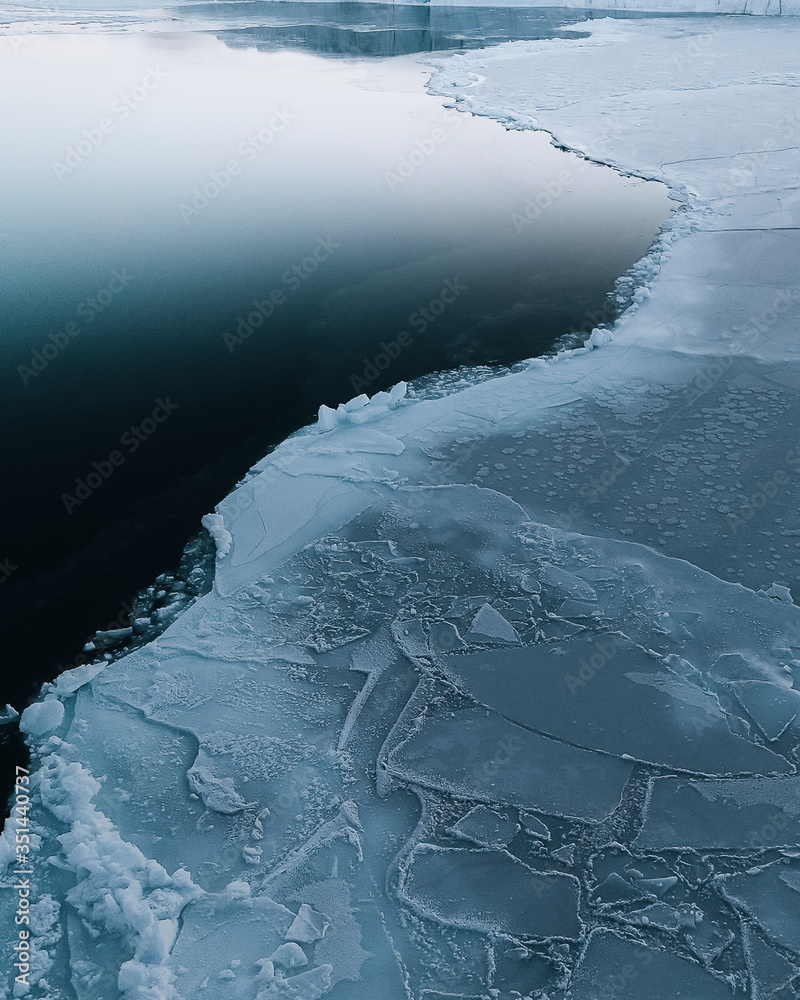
202	242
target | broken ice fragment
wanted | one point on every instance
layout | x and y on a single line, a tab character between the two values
615	889
218	794
8	715
604	693
444	637
308	926
266	970
707	940
565	854
535	827
485	827
492	892
771	897
769	971
477	754
568	584
658	915
309	985
490	626
727	813
289	956
251	855
613	967
42	717
773	708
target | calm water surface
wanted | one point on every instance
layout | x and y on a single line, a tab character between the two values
201	241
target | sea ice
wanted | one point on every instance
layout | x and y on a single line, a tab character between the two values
491	891
605	693
721	815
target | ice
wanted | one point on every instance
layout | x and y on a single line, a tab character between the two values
491	891
215	526
474	753
614	889
565	854
308	925
769	970
771	897
534	826
42	717
614	967
773	708
486	828
307	986
410	637
605	693
289	956
8	715
490	626
726	814
218	794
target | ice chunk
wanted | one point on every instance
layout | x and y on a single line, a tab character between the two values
71	680
221	928
660	915
218	794
490	625
707	939
614	967
777	592
615	889
771	897
534	827
42	717
8	715
567	584
444	637
289	956
769	971
728	813
605	693
474	753
657	886
773	708
492	892
486	828
565	854
308	925
215	526
309	985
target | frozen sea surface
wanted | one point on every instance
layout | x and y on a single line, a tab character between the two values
494	693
